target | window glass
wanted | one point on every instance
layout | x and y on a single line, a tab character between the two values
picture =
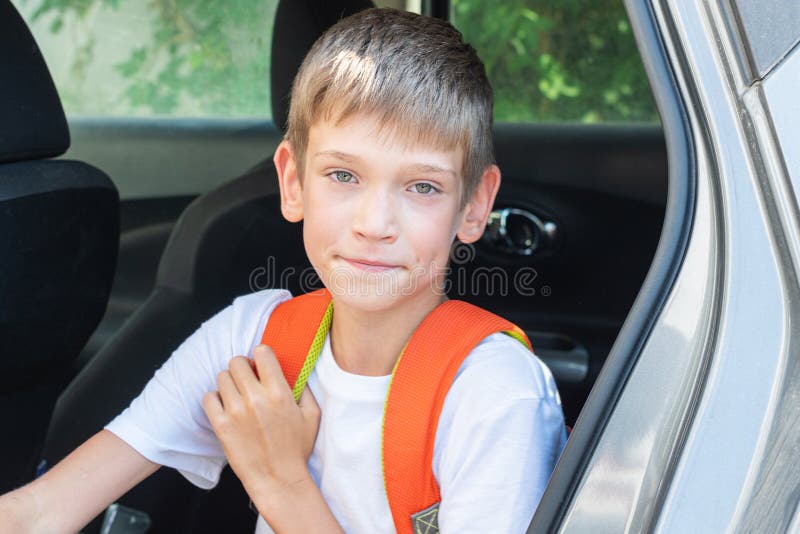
558	60
771	28
184	58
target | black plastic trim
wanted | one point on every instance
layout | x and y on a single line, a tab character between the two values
660	279
439	9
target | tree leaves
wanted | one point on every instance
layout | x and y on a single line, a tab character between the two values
199	57
566	60
548	60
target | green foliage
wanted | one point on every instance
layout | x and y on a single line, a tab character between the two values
564	60
548	60
203	57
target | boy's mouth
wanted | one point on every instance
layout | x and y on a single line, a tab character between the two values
373	266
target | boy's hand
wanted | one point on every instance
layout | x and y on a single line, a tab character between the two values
266	436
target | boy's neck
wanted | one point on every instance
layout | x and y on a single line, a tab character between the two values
368	343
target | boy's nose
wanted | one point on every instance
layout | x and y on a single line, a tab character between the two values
375	217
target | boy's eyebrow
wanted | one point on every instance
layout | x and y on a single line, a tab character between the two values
414	167
337	154
425	167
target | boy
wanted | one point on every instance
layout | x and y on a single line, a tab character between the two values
387	160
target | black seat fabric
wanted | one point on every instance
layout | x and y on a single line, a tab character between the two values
33	123
226	243
59	230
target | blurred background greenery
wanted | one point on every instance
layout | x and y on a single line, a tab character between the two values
564	60
548	61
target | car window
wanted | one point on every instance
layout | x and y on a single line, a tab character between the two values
558	61
198	58
547	61
769	29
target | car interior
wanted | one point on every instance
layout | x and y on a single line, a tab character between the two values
580	212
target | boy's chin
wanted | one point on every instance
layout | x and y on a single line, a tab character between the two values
374	300
365	299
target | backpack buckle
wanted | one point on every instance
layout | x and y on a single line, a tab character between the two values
426	521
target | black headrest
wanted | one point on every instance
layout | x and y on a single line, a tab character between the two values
32	122
298	24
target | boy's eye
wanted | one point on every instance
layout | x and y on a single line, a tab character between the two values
343	177
423	188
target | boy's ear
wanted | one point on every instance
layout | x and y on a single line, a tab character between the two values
289	183
479	206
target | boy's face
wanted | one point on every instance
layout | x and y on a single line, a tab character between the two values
379	218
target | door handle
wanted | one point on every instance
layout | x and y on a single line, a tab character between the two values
519	232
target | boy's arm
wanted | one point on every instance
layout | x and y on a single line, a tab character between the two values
500	433
267	439
76	489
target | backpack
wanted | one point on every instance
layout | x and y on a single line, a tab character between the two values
296	332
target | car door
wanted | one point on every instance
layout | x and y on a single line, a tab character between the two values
690	426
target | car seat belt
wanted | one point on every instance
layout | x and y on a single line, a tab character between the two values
421	378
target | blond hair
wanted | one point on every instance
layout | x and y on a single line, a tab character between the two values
425	85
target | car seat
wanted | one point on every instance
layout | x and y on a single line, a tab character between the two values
219	248
59	232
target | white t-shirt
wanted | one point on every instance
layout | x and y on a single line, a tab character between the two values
500	432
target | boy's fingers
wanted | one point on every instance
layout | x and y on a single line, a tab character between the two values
212	405
228	391
269	371
311	416
241	370
308	405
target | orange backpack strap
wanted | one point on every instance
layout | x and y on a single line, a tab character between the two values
296	331
422	377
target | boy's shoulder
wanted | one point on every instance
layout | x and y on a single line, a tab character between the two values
246	317
254	307
264	300
500	367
